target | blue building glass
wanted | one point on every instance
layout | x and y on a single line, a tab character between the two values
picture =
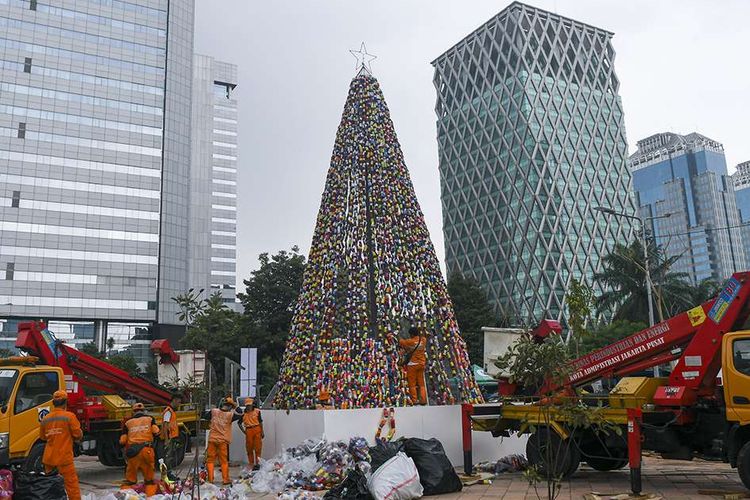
686	177
741	180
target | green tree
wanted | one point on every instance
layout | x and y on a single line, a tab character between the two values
703	291
535	366
609	333
191	306
580	300
122	360
215	329
270	296
624	278
473	311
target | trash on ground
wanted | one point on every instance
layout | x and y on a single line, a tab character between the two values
397	479
511	463
6	484
33	486
480	478
436	473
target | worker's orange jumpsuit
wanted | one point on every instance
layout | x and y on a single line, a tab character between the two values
169	430
415	367
59	429
252	426
219	437
138	438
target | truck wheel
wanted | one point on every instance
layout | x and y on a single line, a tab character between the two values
33	462
743	464
554	457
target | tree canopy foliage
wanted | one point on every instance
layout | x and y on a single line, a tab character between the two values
623	278
473	311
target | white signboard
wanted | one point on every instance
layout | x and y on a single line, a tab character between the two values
248	376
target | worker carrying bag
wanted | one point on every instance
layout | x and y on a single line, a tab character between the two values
37	486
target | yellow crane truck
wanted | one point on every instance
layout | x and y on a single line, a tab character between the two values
28	382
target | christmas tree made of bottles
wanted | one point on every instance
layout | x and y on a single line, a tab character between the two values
371	274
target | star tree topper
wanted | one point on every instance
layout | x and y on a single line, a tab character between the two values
363	58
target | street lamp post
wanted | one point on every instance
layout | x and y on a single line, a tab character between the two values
642	222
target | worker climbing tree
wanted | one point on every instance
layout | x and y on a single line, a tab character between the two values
372	274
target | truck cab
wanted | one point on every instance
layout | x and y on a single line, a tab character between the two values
25	398
736	376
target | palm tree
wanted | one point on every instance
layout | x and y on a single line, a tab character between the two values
624	280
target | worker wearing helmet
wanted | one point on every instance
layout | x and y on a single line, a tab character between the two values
170	430
138	438
59	429
219	437
251	425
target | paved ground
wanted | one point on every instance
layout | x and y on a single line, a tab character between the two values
669	478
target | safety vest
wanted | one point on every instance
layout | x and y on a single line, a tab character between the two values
60	428
169	426
141	429
251	418
220	430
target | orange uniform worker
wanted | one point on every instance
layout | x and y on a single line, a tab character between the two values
59	429
138	438
414	348
219	437
251	425
170	430
324	400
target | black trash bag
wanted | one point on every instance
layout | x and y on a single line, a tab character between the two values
436	472
354	487
384	451
33	486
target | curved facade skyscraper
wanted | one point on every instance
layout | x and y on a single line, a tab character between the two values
531	139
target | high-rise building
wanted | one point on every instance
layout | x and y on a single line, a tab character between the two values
741	181
95	101
686	176
213	179
531	139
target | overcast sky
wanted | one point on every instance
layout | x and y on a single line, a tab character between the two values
682	64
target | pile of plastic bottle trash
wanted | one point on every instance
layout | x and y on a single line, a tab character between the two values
313	465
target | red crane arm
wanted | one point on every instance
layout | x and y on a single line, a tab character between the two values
698	331
34	339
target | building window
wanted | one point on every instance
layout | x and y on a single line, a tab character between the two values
223	90
151	305
15	201
32	5
22	130
10	267
27	65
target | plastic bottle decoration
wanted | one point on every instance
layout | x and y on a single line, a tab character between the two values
372	272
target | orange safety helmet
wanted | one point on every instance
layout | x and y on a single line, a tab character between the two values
249	401
60	396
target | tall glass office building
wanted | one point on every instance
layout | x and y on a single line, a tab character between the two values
213	179
686	176
741	182
95	100
531	139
